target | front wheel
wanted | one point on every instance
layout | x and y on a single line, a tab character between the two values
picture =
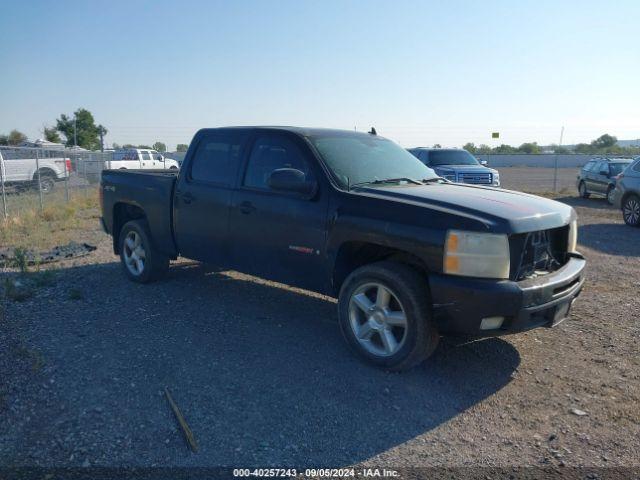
631	211
142	262
384	315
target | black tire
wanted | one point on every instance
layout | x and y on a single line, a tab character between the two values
610	194
631	210
46	183
154	264
582	190
411	291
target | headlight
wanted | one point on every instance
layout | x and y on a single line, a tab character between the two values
496	179
572	241
476	254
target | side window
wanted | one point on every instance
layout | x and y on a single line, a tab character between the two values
424	157
601	166
589	166
145	156
270	153
636	167
216	159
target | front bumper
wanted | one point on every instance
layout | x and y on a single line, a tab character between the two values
460	304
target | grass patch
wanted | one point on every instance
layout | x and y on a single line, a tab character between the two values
58	223
17	290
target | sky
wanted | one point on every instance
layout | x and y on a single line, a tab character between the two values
421	72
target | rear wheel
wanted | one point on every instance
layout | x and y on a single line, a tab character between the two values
610	194
142	262
631	211
46	183
384	315
582	190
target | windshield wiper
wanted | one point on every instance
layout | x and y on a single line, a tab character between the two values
387	180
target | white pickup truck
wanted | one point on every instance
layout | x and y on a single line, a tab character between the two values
136	158
22	173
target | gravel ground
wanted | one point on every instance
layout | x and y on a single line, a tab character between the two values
263	376
536	180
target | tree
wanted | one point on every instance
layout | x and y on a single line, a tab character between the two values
470	147
483	148
115	146
583	148
4	139
505	149
437	145
529	147
559	149
604	141
16	138
159	147
51	135
182	147
86	130
102	131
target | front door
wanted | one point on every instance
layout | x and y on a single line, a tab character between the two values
279	236
203	197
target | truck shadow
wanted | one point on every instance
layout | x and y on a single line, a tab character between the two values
259	370
611	238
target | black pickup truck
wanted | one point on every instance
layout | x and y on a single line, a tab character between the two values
409	255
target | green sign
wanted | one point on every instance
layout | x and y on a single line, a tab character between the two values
495	135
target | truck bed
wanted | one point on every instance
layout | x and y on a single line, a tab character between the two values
152	191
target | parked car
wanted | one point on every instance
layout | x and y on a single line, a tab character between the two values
457	165
598	177
626	195
136	158
21	170
409	255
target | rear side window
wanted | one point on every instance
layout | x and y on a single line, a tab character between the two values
145	155
270	153
125	155
589	166
216	159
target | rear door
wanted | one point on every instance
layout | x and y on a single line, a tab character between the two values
600	177
278	235
203	197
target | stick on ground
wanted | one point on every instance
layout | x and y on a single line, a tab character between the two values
188	434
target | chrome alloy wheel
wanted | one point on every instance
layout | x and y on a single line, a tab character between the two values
134	254
631	211
378	320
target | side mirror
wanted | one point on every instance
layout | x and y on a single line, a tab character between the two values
291	180
484	163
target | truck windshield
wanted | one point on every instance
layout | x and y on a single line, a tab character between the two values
451	157
363	158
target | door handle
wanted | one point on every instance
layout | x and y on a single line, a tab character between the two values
247	208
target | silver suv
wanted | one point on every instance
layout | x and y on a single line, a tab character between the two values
627	193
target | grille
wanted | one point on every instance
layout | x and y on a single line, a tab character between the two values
538	253
475	178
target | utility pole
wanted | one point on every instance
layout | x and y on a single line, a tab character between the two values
555	170
75	130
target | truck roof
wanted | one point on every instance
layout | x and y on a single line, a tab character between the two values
303	131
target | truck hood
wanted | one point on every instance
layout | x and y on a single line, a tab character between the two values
502	211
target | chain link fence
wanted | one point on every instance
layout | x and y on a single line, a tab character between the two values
37	178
